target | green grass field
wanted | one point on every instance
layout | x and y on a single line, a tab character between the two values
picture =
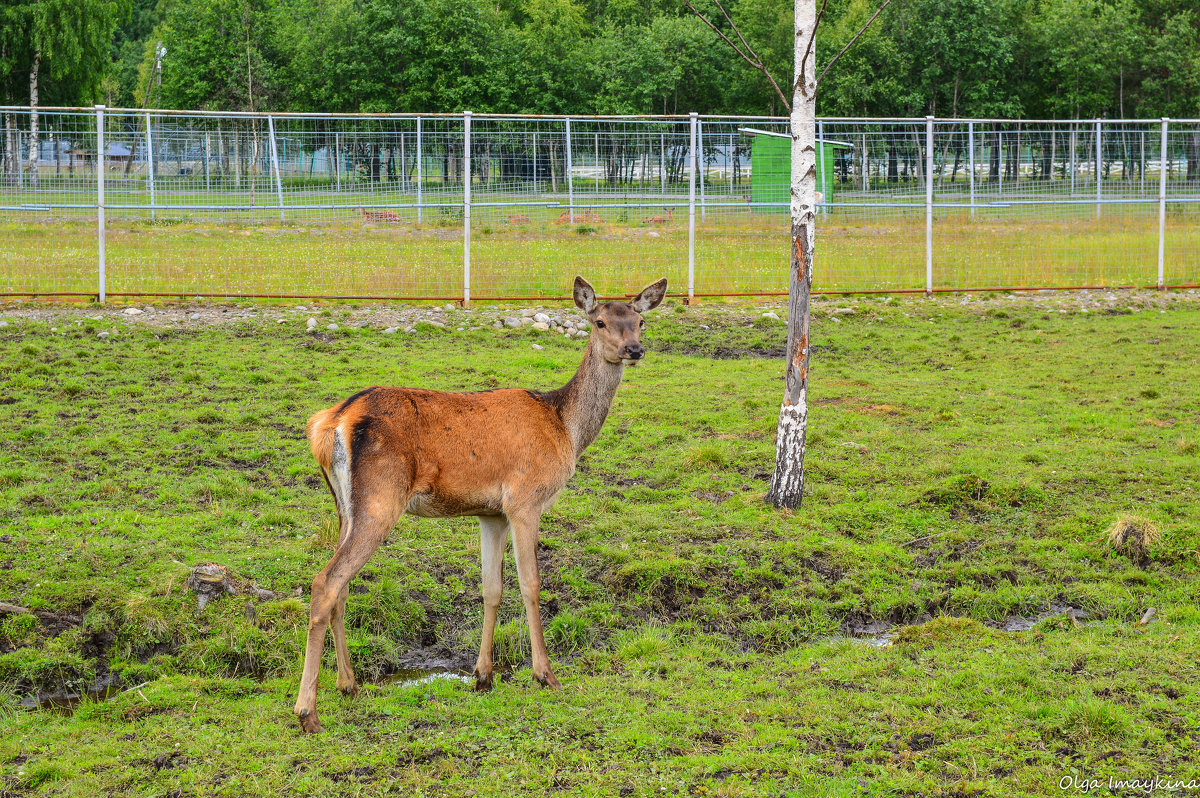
342	254
965	464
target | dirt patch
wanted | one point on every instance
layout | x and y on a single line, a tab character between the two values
356	774
56	623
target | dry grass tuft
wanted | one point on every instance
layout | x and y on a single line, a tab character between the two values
1132	535
327	535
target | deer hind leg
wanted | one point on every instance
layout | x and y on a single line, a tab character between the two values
493	532
345	673
525	540
368	527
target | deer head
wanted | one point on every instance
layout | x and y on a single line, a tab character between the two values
617	326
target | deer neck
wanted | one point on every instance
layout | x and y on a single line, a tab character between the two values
583	403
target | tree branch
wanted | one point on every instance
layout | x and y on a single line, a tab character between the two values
850	43
812	37
752	59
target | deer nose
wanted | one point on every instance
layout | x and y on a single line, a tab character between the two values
634	352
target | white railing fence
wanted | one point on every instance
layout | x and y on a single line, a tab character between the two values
119	202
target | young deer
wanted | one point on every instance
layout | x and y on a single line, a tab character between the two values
660	219
501	455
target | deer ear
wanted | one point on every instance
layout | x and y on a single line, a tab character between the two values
650	297
584	295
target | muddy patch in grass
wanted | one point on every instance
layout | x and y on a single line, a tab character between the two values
66	702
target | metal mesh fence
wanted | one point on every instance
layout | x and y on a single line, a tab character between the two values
451	206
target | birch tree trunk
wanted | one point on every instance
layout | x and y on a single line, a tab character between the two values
787	483
33	118
10	144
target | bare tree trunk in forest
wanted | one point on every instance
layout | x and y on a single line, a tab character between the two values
1071	145
1049	172
553	167
33	118
994	170
237	160
7	162
10	144
865	170
787	483
919	146
253	160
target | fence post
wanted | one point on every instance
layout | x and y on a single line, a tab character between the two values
929	205
149	165
693	118
100	199
466	208
570	180
420	178
1162	201
821	164
971	163
275	164
1099	159
700	151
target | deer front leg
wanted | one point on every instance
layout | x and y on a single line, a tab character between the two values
525	540
493	531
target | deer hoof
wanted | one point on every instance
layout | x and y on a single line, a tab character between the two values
548	681
309	722
483	684
350	690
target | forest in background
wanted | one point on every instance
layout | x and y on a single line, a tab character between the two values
978	58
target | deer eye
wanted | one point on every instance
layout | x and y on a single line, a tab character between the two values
600	324
642	322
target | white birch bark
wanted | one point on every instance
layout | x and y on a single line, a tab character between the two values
787	483
33	118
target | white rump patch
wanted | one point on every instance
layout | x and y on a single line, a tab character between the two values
339	476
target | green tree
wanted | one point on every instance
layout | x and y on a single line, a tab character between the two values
961	52
62	48
219	56
552	76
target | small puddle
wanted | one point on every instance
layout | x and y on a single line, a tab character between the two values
412	677
1018	623
876	634
66	703
879	634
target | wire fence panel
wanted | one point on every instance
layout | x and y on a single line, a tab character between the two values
452	206
48	234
